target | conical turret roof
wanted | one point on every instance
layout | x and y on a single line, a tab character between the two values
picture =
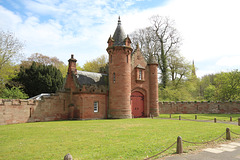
119	35
152	59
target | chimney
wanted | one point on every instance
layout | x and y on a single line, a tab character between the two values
72	65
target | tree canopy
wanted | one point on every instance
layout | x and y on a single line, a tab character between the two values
45	60
160	39
39	79
10	53
96	64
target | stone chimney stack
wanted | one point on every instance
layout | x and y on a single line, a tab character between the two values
72	65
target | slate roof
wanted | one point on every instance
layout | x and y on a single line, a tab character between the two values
85	78
140	66
119	35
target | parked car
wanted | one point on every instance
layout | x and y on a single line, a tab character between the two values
39	97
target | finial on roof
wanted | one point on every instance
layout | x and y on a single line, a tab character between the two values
119	20
137	45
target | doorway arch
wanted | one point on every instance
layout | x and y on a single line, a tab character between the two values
137	104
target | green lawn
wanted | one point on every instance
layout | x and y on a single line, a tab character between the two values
102	139
219	117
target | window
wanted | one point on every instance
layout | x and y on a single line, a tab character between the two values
110	58
140	74
95	109
114	78
127	58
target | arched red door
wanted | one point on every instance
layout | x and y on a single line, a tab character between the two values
137	102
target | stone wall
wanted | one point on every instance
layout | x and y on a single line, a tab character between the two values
199	107
84	106
21	111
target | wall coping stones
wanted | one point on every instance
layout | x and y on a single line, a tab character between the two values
17	102
189	102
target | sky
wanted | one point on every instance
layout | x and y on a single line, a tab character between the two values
210	29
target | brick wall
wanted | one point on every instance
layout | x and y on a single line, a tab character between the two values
84	106
199	107
119	82
22	111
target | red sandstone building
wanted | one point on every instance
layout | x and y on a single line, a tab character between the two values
129	89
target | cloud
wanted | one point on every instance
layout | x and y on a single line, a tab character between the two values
229	61
210	29
9	20
42	7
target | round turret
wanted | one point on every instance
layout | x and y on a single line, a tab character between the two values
119	50
153	86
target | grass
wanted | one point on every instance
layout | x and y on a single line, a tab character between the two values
219	117
103	139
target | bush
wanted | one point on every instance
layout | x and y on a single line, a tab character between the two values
13	93
40	79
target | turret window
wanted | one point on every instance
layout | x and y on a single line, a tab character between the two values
127	58
114	78
110	58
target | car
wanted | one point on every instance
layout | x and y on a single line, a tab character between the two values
39	97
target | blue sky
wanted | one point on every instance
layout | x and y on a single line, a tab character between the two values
209	28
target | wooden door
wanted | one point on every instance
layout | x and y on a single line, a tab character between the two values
137	102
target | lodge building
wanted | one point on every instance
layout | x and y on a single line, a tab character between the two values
129	88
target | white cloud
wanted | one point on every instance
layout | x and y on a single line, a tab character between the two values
229	61
42	8
9	20
210	29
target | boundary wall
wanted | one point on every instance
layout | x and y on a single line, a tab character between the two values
56	107
199	107
21	111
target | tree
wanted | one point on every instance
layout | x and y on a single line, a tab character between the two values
167	38
45	60
209	92
179	68
206	81
10	48
39	79
96	64
228	86
159	39
10	52
145	39
13	93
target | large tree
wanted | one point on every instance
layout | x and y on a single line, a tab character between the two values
96	64
40	78
159	39
10	52
228	86
179	68
45	60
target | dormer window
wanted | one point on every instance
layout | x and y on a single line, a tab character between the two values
140	71
140	74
